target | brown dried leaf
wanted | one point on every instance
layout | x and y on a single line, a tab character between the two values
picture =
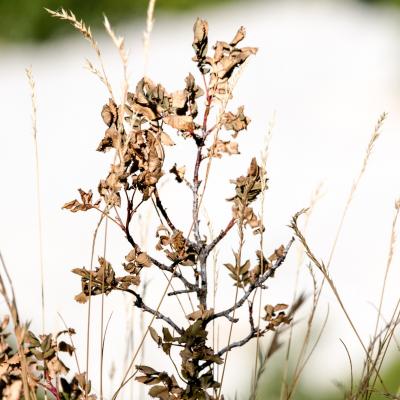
81	298
240	35
280	307
144	260
180	122
200	44
65	347
154	335
200	314
278	253
166	139
161	392
179	99
146	370
236	122
109	113
56	367
128	280
144	111
220	146
179	172
131	256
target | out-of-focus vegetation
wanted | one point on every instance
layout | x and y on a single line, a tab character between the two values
391	2
390	375
26	20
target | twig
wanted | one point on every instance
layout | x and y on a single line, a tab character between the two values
223	233
259	282
183	291
162	210
140	304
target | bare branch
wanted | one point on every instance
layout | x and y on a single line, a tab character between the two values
162	210
259	283
223	233
140	304
173	270
177	292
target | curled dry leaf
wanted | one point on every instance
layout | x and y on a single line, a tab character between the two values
219	147
278	253
200	44
109	113
250	186
201	313
235	122
84	205
166	139
240	35
183	123
275	316
179	99
179	172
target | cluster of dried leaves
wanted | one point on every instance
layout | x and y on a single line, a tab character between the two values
140	131
40	364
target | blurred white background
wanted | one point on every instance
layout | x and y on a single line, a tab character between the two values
324	73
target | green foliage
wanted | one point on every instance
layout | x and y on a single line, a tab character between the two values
390	2
271	388
26	20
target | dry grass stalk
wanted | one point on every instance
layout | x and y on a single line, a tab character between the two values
389	261
147	33
102	331
89	304
72	344
38	190
371	144
288	389
86	32
323	269
264	158
315	197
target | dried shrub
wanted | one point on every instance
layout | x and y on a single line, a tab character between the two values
139	131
